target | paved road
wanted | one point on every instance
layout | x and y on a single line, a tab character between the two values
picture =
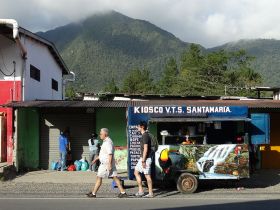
50	190
191	203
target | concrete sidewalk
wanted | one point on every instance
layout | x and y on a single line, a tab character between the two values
76	183
50	176
46	183
261	178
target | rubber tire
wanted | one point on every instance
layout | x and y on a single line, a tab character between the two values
187	183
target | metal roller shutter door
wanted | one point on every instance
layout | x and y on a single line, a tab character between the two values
81	126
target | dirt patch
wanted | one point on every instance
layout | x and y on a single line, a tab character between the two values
9	173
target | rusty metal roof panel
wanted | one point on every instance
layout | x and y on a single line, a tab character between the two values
122	104
72	104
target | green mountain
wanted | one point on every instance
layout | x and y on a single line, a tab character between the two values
267	57
109	45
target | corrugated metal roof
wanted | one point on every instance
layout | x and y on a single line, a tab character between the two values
118	104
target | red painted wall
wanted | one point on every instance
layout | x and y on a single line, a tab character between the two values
8	89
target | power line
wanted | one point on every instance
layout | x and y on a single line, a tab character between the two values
5	74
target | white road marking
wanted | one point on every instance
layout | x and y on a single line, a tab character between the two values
155	198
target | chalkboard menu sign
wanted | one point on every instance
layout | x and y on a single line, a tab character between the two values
134	146
134	136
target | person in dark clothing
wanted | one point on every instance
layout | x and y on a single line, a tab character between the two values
145	162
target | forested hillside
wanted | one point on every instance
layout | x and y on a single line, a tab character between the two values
267	57
105	49
110	45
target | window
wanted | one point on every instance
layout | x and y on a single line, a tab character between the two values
54	85
34	73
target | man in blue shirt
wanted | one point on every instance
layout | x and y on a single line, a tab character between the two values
63	147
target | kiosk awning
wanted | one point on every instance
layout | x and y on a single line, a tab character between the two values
188	119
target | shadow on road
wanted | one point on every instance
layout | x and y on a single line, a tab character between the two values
256	205
260	179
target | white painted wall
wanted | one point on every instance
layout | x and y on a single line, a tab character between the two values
9	52
39	56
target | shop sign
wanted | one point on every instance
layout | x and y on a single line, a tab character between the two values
230	111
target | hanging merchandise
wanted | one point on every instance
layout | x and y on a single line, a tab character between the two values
71	168
191	130
201	128
54	165
84	166
217	125
78	165
58	167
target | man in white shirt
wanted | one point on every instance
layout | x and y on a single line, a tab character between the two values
107	166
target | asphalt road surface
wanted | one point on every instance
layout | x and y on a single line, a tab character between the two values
244	202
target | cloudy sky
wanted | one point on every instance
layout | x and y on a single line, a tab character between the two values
207	22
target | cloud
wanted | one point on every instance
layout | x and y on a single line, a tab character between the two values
207	22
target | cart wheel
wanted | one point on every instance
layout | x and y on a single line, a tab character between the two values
187	183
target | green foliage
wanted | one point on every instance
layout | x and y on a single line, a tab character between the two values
192	58
111	87
266	53
138	82
168	78
208	74
70	93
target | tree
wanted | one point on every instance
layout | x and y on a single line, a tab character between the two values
169	77
198	74
70	93
201	74
240	75
189	80
212	71
138	82
192	58
111	87
208	74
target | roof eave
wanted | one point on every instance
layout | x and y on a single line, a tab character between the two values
50	46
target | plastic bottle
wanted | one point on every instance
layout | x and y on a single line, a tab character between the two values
205	140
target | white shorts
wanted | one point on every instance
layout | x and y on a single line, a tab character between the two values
103	171
147	170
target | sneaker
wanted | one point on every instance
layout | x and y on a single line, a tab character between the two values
139	194
149	196
122	195
90	195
